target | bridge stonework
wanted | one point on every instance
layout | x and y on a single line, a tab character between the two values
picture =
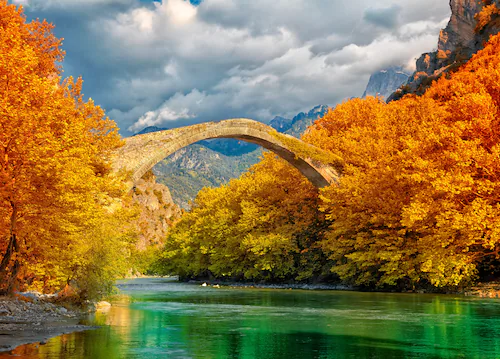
140	153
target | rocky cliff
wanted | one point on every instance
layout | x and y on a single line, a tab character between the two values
471	24
157	211
384	82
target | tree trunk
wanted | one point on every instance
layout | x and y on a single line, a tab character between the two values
7	276
11	249
12	278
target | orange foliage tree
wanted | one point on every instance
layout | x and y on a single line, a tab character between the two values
53	148
419	199
489	15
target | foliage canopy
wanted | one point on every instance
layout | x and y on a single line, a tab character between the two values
55	188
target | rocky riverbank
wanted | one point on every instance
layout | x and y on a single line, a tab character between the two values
482	290
303	286
32	319
485	290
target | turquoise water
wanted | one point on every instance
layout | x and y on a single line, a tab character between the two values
159	318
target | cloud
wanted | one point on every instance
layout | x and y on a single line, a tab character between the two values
160	116
180	12
65	4
175	63
383	16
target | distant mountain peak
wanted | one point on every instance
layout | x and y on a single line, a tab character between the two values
303	120
281	124
150	129
319	110
385	81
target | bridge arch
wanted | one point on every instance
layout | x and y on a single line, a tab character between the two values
140	153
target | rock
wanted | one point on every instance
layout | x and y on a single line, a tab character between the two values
10	307
63	310
24	322
33	296
157	211
456	45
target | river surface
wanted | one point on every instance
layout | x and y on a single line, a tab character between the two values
160	318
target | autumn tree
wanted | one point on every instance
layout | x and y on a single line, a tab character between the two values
54	182
260	226
418	200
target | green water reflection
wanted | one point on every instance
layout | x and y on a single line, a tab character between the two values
165	319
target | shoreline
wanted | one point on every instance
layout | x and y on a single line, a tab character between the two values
221	284
481	290
24	321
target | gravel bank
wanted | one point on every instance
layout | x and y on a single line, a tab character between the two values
36	321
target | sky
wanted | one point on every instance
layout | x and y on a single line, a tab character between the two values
179	62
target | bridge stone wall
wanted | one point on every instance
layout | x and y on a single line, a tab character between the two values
140	153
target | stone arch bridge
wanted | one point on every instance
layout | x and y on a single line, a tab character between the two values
140	153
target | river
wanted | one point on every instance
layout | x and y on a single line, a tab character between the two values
160	318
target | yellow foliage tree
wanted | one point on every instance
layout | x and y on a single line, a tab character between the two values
260	226
53	152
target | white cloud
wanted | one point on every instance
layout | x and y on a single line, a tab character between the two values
159	117
179	12
422	27
140	20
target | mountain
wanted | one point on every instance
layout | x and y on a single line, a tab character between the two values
150	129
229	146
212	163
384	82
303	120
471	24
281	124
193	167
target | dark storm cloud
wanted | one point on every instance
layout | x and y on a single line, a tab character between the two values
386	17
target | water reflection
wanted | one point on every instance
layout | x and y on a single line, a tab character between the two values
170	320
